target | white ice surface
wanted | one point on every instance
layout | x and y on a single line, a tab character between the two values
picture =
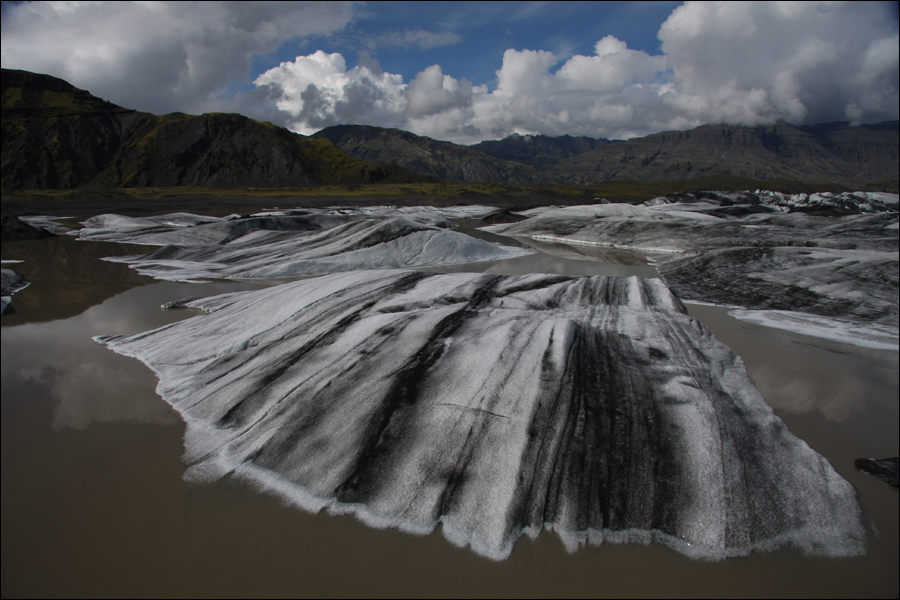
868	336
494	406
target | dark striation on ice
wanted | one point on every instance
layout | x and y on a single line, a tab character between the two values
299	243
860	284
885	469
10	283
49	224
821	203
756	250
496	406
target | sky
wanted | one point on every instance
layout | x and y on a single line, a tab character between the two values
472	71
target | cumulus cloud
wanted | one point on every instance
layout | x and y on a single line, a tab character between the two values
741	63
753	63
610	91
746	63
158	56
318	90
432	92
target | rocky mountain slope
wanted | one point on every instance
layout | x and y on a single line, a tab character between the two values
57	136
539	150
443	160
833	153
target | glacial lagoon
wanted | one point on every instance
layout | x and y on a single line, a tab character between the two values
94	500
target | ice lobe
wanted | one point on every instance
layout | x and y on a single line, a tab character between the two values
296	249
190	229
831	255
496	406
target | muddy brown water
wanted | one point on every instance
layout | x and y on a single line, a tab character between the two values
93	503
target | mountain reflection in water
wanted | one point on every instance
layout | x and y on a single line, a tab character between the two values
93	502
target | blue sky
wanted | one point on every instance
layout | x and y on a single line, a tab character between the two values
469	71
470	37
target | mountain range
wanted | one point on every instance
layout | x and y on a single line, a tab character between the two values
56	136
832	153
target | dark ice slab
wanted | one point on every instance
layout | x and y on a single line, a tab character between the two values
885	469
496	406
859	284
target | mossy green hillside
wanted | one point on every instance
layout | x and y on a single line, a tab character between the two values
59	137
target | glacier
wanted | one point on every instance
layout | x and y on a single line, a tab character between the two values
495	406
825	255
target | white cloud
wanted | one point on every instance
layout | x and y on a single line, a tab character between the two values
736	62
432	92
755	62
603	94
318	90
158	56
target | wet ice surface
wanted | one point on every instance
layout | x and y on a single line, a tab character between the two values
88	482
761	251
491	405
496	406
301	243
847	332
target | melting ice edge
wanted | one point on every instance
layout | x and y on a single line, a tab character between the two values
496	406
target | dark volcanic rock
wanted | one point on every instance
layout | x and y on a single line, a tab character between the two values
496	406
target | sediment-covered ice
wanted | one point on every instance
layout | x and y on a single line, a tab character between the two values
832	255
112	222
871	335
30	228
496	406
280	252
190	229
845	283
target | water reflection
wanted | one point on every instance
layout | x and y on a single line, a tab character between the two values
76	495
87	384
67	277
801	374
555	258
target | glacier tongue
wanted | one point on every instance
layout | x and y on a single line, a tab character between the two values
496	406
284	247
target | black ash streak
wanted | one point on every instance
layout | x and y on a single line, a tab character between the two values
496	405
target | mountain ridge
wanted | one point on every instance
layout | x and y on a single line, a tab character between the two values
539	150
780	151
444	160
56	136
832	153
